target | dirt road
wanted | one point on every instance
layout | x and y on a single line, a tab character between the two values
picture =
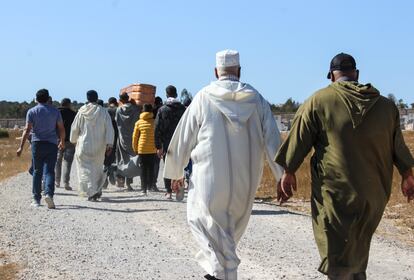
130	237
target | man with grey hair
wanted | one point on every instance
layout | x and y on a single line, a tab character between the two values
226	131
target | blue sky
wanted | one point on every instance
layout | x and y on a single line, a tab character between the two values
285	47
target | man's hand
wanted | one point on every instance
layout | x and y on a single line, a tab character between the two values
287	186
19	151
407	185
160	153
61	145
176	184
280	196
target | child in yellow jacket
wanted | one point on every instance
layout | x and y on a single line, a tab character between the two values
144	145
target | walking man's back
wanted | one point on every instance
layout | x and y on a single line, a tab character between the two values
44	121
356	136
166	121
227	131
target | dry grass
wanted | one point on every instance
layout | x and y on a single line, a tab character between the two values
8	271
398	209
10	164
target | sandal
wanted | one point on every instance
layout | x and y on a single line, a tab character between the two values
168	196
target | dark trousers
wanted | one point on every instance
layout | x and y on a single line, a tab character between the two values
167	182
146	162
44	155
156	169
65	156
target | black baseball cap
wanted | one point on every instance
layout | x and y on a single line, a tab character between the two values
342	62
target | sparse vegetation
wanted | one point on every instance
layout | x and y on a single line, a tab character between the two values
10	165
4	133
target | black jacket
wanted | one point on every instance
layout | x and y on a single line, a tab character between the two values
68	116
110	158
167	119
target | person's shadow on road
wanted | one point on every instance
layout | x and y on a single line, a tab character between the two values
80	207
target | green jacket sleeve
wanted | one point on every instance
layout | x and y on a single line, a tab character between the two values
403	159
301	137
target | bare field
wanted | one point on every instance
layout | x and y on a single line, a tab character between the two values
10	164
8	271
397	210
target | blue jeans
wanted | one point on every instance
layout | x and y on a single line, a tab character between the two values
44	155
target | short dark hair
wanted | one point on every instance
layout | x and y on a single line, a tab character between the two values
124	97
158	101
112	100
147	108
42	95
65	102
171	91
100	102
92	95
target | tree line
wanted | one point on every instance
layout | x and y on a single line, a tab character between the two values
18	110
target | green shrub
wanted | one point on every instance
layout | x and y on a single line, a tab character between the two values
4	133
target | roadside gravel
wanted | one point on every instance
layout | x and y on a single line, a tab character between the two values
131	237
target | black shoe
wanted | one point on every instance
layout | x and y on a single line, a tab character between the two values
209	277
94	198
98	195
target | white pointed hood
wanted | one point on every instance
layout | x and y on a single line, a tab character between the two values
234	99
91	111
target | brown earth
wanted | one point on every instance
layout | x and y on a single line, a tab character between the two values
10	165
8	271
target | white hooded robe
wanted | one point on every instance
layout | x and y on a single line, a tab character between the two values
92	131
226	131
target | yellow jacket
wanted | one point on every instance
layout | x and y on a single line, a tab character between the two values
143	138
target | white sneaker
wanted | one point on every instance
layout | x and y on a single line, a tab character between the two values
35	203
49	202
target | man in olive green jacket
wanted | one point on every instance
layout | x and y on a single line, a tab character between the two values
356	136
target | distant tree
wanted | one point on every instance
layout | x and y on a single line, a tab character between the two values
401	104
18	110
290	106
392	98
412	105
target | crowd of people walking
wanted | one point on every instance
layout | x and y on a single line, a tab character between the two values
110	144
223	138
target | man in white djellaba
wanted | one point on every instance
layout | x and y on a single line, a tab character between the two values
226	131
93	134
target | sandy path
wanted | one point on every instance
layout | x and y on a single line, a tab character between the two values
130	237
